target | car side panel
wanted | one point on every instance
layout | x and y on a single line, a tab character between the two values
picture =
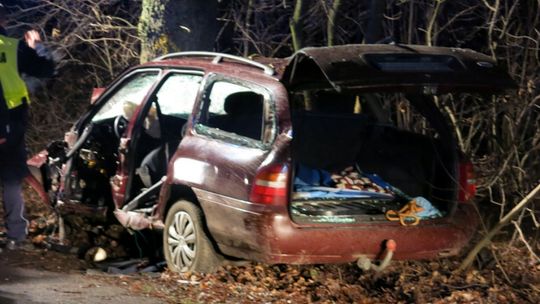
216	167
221	173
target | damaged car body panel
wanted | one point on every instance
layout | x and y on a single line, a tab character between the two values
297	160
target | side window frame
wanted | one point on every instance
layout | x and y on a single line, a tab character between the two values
153	94
174	72
269	129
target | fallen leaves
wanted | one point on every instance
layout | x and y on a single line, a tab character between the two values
515	278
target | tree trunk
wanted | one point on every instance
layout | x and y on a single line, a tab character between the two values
179	25
375	26
331	26
296	25
430	35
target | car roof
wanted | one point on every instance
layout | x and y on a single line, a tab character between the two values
358	66
211	61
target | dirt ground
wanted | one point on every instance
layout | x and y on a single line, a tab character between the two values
503	274
44	276
41	276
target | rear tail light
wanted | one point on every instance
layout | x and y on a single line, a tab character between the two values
271	185
467	182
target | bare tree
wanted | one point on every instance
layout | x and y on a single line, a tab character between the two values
91	41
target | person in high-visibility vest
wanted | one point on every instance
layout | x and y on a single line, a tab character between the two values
28	57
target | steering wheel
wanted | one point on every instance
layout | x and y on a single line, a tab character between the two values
120	125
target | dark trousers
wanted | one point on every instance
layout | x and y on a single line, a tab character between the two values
13	169
13	203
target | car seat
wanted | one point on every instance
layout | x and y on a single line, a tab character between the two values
244	114
154	164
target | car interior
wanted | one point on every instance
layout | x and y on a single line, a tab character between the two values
373	133
157	141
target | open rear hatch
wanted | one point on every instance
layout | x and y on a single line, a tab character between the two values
394	67
368	137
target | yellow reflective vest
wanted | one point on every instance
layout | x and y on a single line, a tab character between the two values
13	87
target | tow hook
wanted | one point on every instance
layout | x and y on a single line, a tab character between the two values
366	264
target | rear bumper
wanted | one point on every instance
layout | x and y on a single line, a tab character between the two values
334	244
267	234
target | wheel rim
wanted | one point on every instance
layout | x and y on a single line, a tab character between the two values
181	241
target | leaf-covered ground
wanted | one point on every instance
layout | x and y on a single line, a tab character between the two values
403	282
503	274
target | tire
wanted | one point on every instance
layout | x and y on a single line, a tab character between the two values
186	245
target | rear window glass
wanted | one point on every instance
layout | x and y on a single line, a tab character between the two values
413	63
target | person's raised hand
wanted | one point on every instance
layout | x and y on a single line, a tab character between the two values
32	37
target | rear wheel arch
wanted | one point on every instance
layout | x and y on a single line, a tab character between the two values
179	192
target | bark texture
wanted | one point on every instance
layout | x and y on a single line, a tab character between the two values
177	25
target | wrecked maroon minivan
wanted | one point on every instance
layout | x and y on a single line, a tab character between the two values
336	154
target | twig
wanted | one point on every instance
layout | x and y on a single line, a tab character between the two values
503	222
522	238
506	277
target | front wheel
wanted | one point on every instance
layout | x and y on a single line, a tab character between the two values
186	244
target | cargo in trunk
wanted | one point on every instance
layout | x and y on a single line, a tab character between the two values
358	155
